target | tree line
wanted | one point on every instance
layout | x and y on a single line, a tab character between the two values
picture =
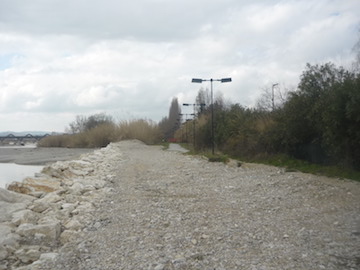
318	122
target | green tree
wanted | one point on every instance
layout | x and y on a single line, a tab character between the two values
320	121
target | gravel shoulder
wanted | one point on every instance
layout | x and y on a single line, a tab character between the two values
168	210
39	156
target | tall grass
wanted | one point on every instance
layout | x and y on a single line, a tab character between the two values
143	130
101	135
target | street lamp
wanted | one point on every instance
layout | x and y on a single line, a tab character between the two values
272	97
223	80
194	105
186	120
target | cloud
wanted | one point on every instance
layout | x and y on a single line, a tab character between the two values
130	58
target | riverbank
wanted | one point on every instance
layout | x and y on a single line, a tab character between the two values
42	213
39	156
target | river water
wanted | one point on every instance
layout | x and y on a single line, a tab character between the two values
10	172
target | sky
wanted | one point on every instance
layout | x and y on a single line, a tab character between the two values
128	59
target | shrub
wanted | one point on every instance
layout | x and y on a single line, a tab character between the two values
218	158
143	130
55	141
101	135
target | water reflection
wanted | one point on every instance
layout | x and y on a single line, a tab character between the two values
10	172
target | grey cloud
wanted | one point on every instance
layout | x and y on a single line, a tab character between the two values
131	57
142	19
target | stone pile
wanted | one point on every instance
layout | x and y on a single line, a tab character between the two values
45	212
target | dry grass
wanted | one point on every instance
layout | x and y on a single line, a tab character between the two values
102	135
143	130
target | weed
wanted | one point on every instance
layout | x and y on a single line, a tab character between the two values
218	158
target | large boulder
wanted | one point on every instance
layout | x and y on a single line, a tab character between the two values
24	216
69	169
48	201
13	197
48	233
35	186
11	202
39	264
9	241
28	254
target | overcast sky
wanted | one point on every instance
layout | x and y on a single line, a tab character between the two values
128	59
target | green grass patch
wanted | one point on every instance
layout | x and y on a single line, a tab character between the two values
218	158
291	164
165	145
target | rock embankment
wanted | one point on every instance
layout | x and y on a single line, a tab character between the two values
43	213
132	206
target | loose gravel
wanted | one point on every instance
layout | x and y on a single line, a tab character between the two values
173	211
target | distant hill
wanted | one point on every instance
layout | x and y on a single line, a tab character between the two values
23	133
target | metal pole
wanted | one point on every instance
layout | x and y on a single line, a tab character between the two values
223	80
212	118
194	125
272	97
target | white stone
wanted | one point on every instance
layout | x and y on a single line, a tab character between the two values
73	224
50	230
3	253
48	218
39	206
7	238
8	209
48	256
24	216
28	255
50	200
11	202
33	186
77	188
68	236
51	197
68	206
13	197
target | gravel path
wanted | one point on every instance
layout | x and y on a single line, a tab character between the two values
172	211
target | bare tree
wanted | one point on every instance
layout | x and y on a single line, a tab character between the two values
272	97
356	49
83	123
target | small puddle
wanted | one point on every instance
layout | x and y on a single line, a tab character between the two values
10	172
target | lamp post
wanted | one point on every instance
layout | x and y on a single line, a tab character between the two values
194	105
186	120
272	97
223	80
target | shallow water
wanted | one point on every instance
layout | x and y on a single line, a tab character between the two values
10	172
